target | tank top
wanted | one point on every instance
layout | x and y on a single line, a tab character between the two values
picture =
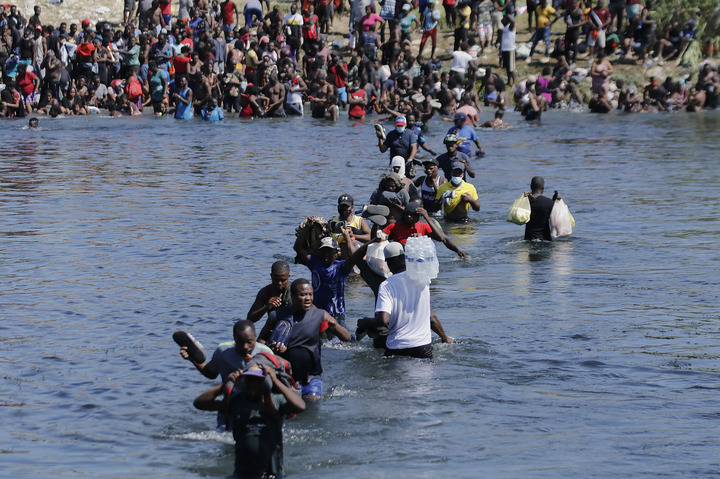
428	196
184	111
303	349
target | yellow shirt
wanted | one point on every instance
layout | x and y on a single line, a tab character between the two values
463	17
543	15
464	187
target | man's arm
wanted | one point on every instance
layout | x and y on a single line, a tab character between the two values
474	203
199	366
262	305
355	254
380	319
335	328
438	234
436	326
294	403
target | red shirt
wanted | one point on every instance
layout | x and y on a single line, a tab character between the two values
357	109
341	79
25	84
228	9
181	63
400	231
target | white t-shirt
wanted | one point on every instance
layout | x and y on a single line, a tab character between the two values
508	40
408	303
461	60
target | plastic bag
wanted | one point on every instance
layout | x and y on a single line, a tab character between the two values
375	258
561	221
520	211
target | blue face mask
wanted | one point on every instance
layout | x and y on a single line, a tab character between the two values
400	129
456	180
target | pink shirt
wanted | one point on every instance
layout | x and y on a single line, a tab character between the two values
368	21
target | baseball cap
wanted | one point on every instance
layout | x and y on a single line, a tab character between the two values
85	22
412	207
346	200
407	7
431	161
400	121
328	242
460	116
451	138
393	249
253	370
458	165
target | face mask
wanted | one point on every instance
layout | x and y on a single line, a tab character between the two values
400	129
456	180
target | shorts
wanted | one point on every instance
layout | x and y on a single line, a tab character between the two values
168	19
342	94
313	387
431	34
228	27
509	60
485	32
129	6
294	109
496	19
421	352
599	39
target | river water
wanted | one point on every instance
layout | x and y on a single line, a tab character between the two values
594	356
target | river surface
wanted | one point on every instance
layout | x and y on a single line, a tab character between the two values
593	356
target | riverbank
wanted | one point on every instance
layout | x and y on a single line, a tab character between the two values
74	11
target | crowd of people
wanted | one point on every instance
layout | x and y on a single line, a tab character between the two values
201	62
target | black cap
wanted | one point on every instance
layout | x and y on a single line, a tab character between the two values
345	200
412	207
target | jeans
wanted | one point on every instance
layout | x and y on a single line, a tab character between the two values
543	33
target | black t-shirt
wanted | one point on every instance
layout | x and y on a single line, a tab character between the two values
539	225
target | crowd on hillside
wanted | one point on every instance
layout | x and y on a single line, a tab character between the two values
201	62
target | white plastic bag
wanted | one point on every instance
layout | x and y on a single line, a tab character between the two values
375	258
561	221
519	211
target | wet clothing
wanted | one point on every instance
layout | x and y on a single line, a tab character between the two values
407	301
400	144
538	228
258	436
304	346
329	285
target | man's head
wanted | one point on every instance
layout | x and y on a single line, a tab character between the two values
537	184
410	215
451	143
459	119
345	206
456	173
398	165
400	123
431	167
279	276
301	291
244	336
395	257
328	250
254	377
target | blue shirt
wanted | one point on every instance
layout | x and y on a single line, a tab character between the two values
328	285
466	135
215	115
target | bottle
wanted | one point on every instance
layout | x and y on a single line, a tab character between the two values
412	263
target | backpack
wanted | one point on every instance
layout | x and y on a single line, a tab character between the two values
283	371
134	89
